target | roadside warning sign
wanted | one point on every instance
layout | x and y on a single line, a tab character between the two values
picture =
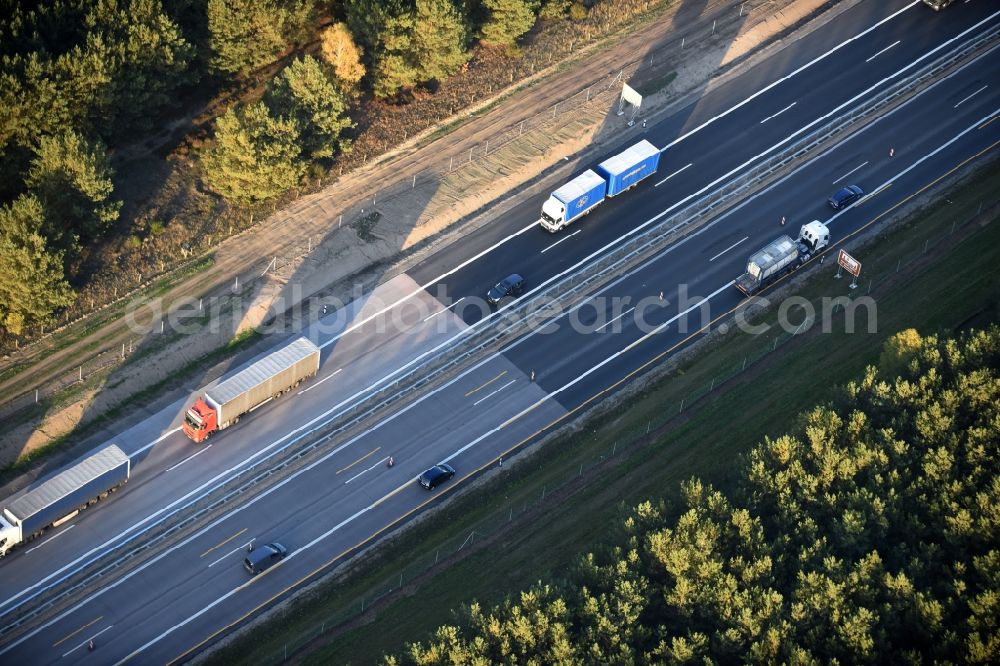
849	263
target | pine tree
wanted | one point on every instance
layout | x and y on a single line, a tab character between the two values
255	157
414	45
245	34
394	63
440	38
304	94
554	9
898	350
507	20
72	178
147	59
103	69
32	285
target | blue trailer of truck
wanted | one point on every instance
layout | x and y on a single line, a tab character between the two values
629	167
614	175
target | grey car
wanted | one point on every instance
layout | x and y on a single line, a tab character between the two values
512	285
845	197
264	557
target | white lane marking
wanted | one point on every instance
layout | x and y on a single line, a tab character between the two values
87	640
193	455
53	538
614	320
224	557
490	395
971	96
156	441
311	387
775	115
365	471
850	172
789	76
729	248
564	238
234	550
883	50
310	423
443	310
672	175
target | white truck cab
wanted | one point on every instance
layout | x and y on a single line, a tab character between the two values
815	234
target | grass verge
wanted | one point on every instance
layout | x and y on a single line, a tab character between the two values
934	272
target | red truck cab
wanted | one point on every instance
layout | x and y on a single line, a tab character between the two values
200	421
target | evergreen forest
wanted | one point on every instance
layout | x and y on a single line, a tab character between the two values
869	533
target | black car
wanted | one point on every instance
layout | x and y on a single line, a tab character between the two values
512	285
264	557
436	475
845	197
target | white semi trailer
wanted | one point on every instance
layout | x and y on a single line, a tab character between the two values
60	497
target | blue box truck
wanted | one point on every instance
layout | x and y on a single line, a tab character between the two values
614	175
25	517
629	167
575	198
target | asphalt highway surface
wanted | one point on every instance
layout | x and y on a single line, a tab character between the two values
196	590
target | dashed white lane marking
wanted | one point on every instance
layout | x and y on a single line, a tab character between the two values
50	539
88	640
729	248
671	175
490	395
613	320
564	238
443	310
775	115
966	99
883	50
193	455
311	387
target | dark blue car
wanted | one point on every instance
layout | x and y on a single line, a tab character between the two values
845	197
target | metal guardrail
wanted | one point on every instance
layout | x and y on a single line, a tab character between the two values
564	290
